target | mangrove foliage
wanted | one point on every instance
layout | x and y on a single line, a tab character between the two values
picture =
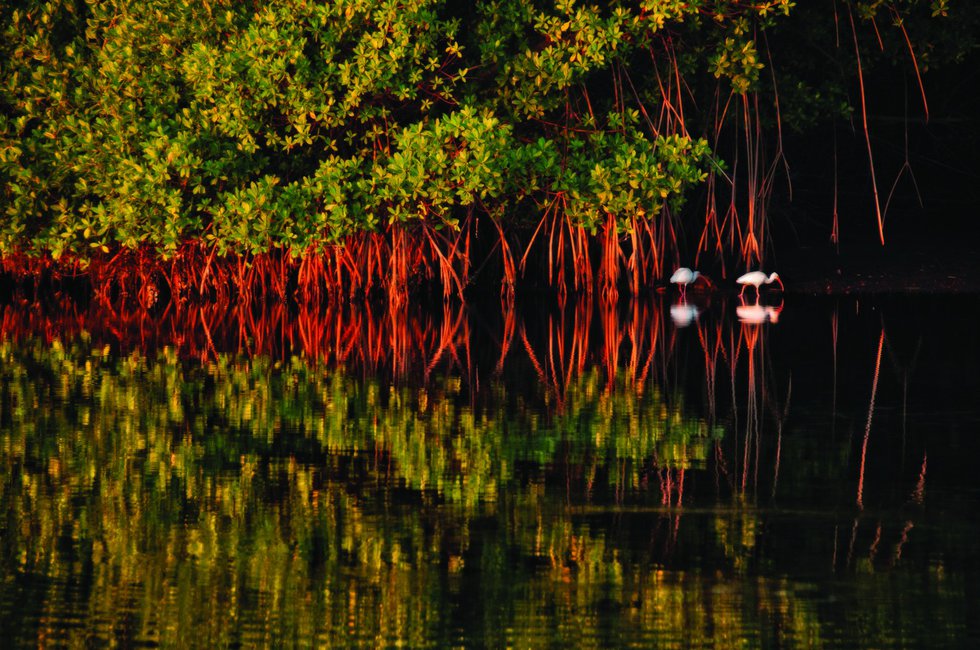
319	148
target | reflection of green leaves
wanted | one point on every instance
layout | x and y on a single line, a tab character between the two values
234	408
158	465
615	425
251	497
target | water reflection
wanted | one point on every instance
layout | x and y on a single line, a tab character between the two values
683	314
757	314
594	475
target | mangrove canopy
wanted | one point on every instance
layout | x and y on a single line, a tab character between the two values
214	149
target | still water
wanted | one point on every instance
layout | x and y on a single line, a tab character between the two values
701	475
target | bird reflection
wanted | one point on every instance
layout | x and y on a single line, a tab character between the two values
683	313
757	314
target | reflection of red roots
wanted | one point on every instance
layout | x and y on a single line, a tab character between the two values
672	486
867	426
397	336
399	342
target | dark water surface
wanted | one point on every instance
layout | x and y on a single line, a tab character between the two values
587	477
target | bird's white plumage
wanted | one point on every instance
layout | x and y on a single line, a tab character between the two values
684	276
757	279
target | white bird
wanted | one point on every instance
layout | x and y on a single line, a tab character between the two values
685	276
757	279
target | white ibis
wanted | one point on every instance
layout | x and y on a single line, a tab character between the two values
757	279
685	276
